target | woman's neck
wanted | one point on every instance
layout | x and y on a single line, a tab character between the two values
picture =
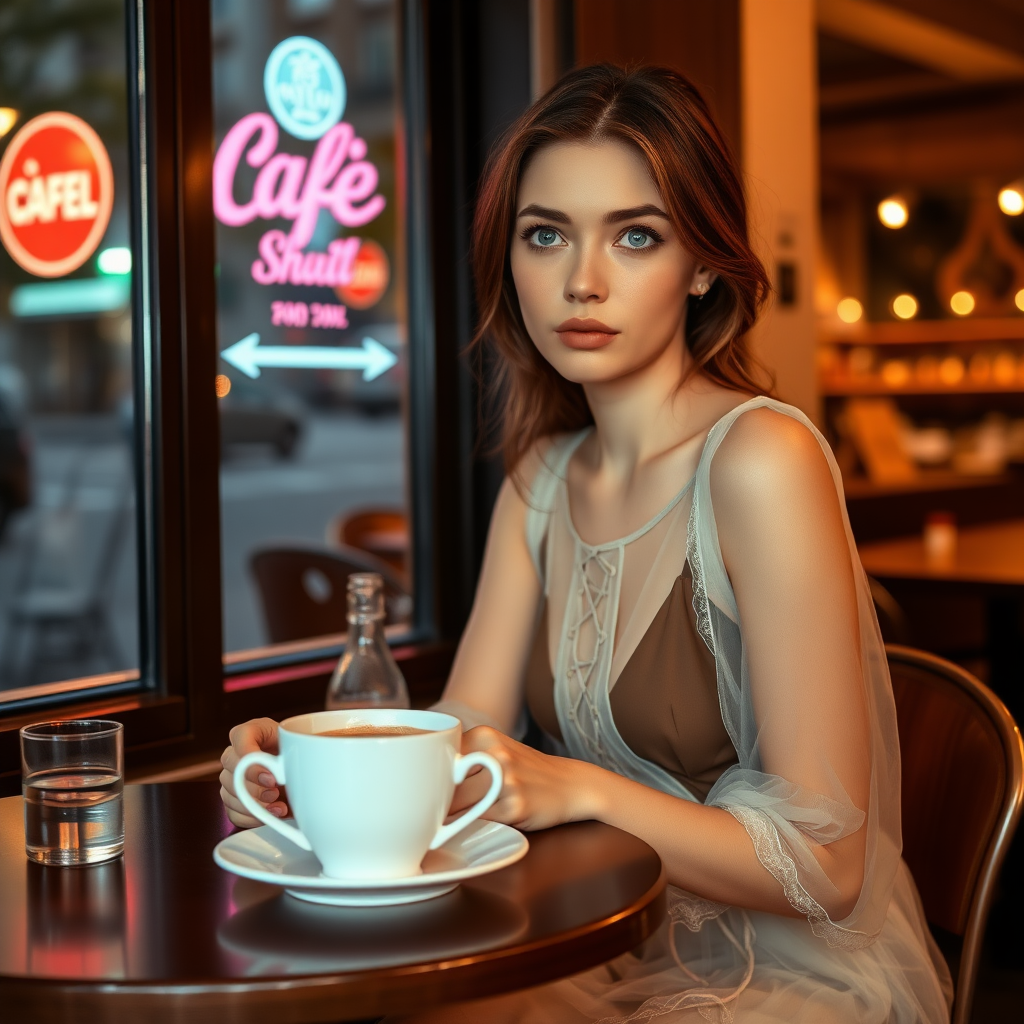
640	416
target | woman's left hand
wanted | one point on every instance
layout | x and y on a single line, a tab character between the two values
539	790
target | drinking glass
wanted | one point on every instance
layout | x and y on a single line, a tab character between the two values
72	781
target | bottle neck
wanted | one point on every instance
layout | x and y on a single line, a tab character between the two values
362	628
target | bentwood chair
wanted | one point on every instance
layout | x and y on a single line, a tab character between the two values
963	783
383	532
303	590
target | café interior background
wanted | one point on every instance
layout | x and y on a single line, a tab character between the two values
881	147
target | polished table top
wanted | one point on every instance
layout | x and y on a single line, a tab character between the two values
163	934
991	554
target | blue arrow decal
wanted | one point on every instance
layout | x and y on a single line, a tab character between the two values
248	356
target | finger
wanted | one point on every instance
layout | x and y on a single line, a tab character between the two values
237	812
469	792
255	788
242	820
483	737
257	734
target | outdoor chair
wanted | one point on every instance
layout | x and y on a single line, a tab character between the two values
303	590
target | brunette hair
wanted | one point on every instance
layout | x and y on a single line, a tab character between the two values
663	115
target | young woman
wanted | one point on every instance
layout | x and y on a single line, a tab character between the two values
671	586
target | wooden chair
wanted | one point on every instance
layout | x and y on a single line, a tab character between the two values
303	590
382	532
963	783
892	619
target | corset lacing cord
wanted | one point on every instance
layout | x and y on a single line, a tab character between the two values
593	602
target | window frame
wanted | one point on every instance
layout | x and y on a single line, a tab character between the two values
178	709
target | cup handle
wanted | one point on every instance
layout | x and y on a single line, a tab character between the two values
463	762
276	765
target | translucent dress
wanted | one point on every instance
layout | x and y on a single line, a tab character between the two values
654	613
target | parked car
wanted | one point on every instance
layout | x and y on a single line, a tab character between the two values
250	416
15	490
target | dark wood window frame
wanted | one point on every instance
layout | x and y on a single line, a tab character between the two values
179	710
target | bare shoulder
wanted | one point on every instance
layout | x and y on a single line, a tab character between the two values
539	456
765	455
514	496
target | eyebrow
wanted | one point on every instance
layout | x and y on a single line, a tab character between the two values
615	217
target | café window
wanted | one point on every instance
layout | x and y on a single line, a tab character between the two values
70	597
311	318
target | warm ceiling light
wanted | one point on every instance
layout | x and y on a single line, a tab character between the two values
1018	300
222	385
893	212
905	306
961	303
8	117
849	310
1011	200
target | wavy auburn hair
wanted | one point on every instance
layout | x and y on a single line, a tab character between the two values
661	114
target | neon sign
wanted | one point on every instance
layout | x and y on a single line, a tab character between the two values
304	86
56	194
337	178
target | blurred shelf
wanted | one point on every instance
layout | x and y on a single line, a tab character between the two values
929	332
872	386
927	480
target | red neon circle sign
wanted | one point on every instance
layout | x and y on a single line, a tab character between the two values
371	274
56	194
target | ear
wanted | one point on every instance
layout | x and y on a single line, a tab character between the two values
702	280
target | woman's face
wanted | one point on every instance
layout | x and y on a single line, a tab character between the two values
601	275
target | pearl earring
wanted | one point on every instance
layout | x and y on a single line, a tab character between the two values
702	289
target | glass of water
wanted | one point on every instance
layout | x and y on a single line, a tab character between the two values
72	781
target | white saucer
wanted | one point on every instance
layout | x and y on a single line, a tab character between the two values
265	856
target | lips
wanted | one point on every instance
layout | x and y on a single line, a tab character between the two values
585	334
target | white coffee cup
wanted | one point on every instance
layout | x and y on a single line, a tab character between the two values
369	807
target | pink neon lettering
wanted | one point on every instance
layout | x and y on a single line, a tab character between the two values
276	192
282	263
286	187
225	164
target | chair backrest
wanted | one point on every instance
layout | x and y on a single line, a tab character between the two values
892	619
303	590
963	782
380	531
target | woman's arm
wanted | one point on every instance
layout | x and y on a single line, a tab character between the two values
487	674
784	546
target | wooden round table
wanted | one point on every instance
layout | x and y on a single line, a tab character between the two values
164	935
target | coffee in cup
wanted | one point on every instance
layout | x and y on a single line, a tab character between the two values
369	787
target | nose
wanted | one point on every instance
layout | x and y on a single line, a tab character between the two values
586	281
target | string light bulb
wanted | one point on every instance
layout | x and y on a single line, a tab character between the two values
849	310
904	306
893	212
8	118
1011	199
961	303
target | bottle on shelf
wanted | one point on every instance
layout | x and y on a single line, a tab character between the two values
366	675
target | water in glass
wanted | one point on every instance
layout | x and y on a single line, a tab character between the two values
74	816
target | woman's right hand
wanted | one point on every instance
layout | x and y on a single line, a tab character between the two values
257	734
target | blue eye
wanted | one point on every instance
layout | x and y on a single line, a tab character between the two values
637	239
545	237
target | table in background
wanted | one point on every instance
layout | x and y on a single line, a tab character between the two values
164	935
989	561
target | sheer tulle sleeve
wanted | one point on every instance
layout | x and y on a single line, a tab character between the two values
803	686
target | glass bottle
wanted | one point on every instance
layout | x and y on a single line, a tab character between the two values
366	676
